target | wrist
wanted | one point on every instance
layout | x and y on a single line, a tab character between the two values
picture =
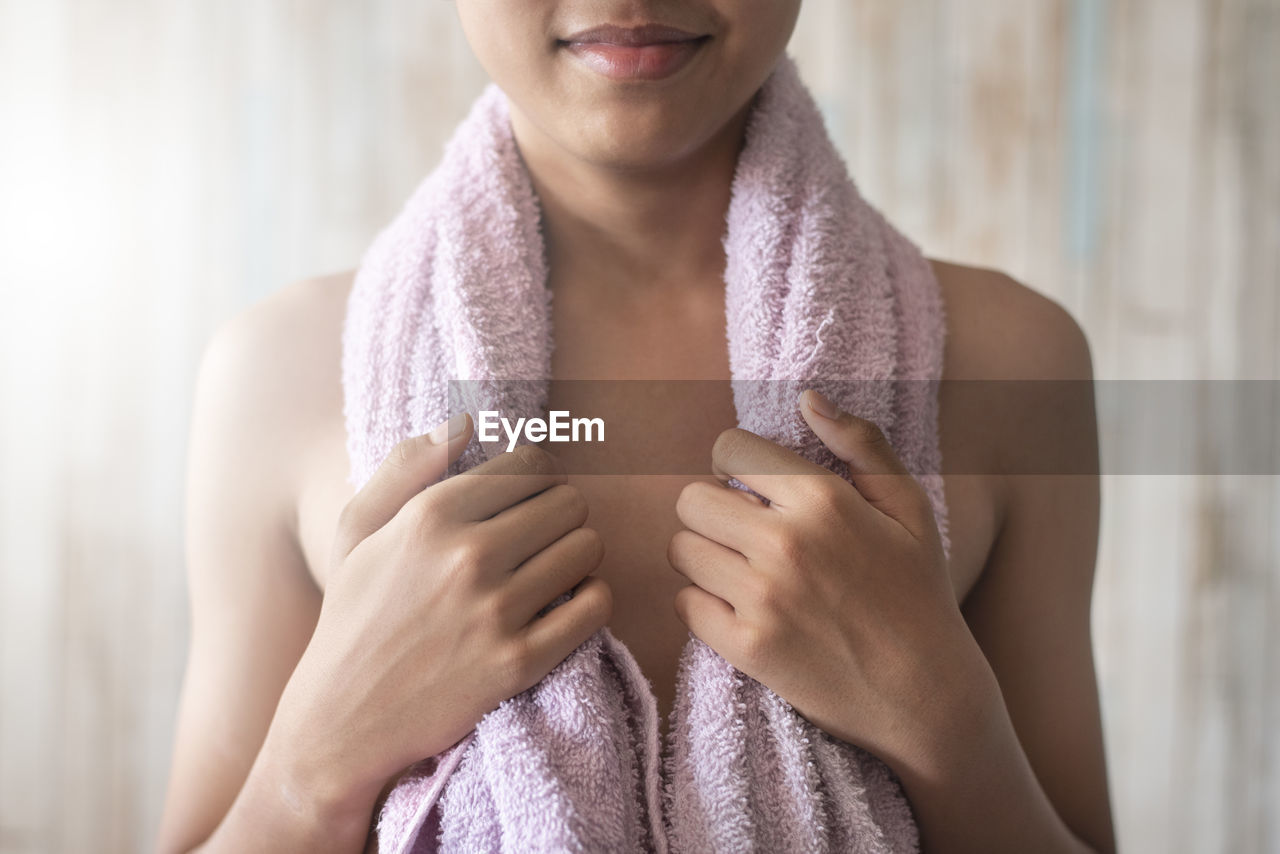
967	776
959	710
311	750
276	810
317	796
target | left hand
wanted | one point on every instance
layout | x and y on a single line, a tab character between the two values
835	595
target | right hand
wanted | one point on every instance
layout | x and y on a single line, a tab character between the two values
429	619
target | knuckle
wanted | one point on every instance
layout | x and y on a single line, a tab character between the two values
866	428
683	500
681	604
827	489
527	455
754	643
470	554
596	601
775	595
604	595
690	496
760	592
534	459
678	546
729	443
829	506
592	545
572	499
785	543
516	666
495	612
415	527
404	453
423	510
869	433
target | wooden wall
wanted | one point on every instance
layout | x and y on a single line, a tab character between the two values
162	165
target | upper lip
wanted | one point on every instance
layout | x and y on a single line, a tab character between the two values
645	34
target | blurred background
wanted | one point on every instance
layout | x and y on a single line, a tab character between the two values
165	164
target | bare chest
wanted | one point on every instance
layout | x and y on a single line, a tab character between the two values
603	366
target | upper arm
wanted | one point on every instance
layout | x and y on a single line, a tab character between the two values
253	605
1030	609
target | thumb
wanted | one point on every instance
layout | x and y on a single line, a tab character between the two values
413	465
877	472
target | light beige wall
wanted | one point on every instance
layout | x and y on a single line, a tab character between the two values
162	165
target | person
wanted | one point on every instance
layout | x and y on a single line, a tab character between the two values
330	649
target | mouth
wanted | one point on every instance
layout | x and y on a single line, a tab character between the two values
648	52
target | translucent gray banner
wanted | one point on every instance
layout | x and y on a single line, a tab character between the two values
989	427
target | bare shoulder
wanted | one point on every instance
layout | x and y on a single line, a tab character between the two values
295	323
998	328
283	333
1017	377
270	374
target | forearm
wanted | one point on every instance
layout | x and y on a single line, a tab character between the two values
968	779
283	807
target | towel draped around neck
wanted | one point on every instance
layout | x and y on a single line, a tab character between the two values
820	291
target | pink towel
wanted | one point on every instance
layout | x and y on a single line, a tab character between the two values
820	290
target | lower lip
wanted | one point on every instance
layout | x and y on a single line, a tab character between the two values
644	62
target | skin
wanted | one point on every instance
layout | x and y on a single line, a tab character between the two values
361	632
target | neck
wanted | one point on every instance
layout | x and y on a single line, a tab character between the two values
629	227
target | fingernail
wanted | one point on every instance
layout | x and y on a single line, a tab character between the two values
821	405
449	430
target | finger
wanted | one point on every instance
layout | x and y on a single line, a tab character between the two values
773	471
876	470
533	524
541	579
499	483
412	465
709	617
728	516
549	639
713	567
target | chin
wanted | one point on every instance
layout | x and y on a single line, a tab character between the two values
630	154
631	141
